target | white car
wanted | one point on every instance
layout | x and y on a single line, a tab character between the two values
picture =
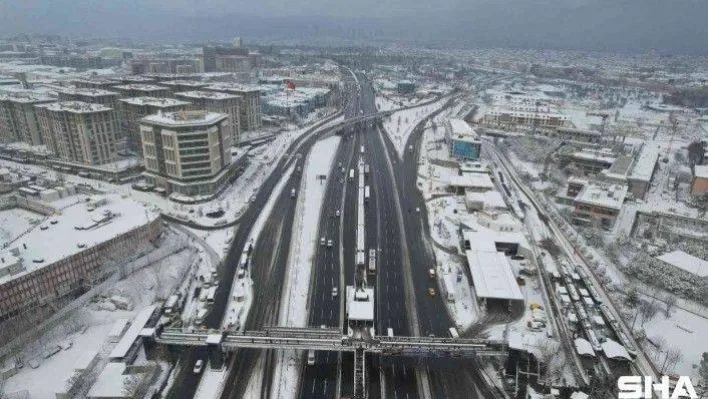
329	243
311	357
322	241
198	366
337	212
335	292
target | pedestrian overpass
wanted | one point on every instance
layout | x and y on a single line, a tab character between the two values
328	339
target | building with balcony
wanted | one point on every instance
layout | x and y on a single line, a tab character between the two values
250	107
79	132
180	85
18	118
132	110
214	101
142	90
93	96
187	153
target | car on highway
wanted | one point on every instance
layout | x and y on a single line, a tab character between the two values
335	292
431	273
311	357
338	213
431	291
329	243
198	366
322	241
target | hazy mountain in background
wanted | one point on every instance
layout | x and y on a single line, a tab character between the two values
669	26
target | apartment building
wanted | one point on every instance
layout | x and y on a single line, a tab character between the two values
180	85
132	110
89	95
95	83
18	119
79	132
187	152
510	119
142	90
598	204
250	107
214	101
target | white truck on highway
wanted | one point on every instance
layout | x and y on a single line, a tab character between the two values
367	193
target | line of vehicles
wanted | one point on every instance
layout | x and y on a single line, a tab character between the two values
576	292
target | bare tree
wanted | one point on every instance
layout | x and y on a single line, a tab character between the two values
673	357
550	359
670	301
648	311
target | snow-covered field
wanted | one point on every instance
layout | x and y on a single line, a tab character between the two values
303	250
14	222
400	124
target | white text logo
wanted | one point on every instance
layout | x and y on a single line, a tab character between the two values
638	387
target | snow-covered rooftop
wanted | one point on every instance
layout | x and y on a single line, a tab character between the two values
459	126
701	171
645	163
583	347
77	229
154	101
471	180
87	92
614	350
25	97
121	349
595	155
603	194
492	275
75	107
205	94
686	262
360	304
140	87
185	118
490	199
234	88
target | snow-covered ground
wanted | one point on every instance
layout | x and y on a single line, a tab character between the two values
399	125
303	250
684	332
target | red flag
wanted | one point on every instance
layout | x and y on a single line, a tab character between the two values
291	85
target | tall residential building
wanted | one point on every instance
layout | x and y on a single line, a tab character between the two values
18	119
94	83
79	132
132	110
210	54
166	65
250	118
187	152
239	65
94	96
214	101
180	85
142	90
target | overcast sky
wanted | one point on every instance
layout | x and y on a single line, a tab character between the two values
670	26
